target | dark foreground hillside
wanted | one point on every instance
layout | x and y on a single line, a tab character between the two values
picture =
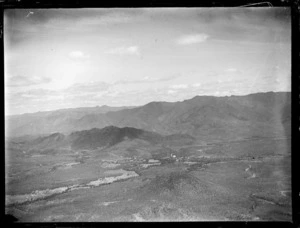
96	138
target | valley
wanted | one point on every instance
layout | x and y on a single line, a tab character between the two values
135	181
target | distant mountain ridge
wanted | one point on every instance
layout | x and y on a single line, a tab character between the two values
79	110
205	117
62	120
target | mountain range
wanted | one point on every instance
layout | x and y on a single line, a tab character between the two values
203	117
99	138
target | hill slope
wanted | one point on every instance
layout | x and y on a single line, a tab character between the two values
99	138
62	120
205	117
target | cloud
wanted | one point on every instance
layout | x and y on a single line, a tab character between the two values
179	86
146	80
78	55
19	81
231	70
89	87
192	39
46	99
196	84
131	50
171	91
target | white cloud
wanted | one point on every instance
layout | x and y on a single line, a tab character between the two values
192	39
28	95
196	85
146	80
78	55
19	81
179	86
131	50
171	91
88	88
231	70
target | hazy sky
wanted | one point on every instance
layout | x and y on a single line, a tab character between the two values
63	58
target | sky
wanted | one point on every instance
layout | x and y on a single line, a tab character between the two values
67	58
